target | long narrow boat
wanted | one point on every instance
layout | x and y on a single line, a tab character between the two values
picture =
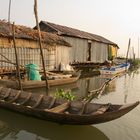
115	69
37	84
59	110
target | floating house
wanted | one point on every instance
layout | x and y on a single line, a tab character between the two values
85	46
55	48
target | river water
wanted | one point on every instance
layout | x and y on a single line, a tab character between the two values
124	89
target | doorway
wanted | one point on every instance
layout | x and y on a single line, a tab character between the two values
89	52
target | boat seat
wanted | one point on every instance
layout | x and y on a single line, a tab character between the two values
52	103
7	94
101	110
27	99
38	101
59	109
16	97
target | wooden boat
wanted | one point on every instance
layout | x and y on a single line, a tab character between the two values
115	69
59	110
37	84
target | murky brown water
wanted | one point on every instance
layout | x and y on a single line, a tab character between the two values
125	89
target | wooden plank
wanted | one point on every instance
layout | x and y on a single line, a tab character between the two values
101	110
59	109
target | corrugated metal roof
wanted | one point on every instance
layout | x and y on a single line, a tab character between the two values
63	30
23	32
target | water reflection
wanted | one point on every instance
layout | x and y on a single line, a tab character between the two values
95	83
18	127
129	83
82	87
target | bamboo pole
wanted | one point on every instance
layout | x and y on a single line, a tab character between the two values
6	58
138	48
17	64
9	11
128	50
40	44
6	61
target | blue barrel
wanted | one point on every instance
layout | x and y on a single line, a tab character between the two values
33	72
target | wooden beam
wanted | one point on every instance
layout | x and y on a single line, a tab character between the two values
40	44
17	64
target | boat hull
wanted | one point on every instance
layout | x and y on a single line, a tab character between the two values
75	112
38	84
115	70
69	119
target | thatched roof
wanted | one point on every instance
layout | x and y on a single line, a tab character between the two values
67	31
23	32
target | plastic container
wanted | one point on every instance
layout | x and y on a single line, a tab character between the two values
33	72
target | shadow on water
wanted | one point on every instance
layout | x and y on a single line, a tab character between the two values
15	126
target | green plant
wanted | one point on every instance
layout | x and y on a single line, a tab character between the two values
60	93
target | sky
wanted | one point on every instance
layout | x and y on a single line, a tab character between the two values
116	20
